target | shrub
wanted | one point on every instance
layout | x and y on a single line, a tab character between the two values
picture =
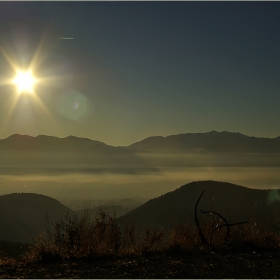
78	237
84	236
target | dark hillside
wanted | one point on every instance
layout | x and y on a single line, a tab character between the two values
235	203
22	214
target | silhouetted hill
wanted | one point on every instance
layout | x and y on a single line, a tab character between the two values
209	142
235	203
25	214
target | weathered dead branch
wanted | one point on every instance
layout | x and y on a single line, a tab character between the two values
225	225
204	241
202	238
217	227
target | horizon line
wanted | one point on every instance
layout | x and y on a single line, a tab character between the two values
81	137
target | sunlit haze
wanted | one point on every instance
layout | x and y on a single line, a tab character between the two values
121	72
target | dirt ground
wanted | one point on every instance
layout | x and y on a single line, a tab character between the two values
158	265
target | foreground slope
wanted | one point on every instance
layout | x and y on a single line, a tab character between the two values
234	202
251	265
24	215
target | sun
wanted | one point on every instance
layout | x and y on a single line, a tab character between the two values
24	81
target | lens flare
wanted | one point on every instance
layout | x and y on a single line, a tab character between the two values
73	105
273	196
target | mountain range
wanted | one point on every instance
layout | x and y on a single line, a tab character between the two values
211	142
21	154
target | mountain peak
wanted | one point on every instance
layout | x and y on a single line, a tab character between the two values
213	141
18	136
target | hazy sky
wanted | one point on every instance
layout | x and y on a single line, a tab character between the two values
136	69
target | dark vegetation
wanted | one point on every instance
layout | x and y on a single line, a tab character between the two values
11	249
209	246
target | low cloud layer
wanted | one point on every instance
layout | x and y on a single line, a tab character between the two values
110	186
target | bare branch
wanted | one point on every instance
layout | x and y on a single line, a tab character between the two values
204	241
202	238
227	225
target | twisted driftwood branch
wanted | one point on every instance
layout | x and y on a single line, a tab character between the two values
202	238
226	224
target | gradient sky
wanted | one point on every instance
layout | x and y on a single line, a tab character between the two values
137	69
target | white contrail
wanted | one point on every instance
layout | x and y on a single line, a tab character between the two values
65	38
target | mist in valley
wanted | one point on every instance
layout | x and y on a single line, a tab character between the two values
109	187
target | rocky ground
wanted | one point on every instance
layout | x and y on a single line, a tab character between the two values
223	265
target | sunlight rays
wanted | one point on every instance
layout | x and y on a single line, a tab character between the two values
38	101
8	58
25	80
10	112
44	109
36	58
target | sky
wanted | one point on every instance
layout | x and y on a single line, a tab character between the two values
130	70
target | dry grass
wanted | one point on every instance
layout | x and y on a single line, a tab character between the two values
11	252
86	236
241	237
137	243
78	237
253	236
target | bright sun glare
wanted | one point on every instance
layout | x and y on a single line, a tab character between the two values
24	82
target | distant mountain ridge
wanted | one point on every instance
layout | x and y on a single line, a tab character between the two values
22	154
212	141
209	142
43	142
